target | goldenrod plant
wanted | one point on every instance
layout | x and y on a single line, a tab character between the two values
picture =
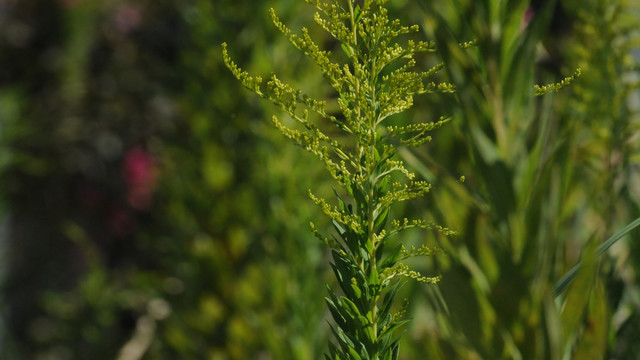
375	81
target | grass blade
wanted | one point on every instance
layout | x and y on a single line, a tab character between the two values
562	284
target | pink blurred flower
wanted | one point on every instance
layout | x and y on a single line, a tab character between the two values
140	174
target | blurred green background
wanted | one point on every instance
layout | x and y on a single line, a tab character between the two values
150	211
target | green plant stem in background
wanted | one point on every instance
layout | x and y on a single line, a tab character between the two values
545	187
374	83
562	284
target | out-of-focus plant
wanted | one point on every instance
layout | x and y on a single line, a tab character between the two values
527	195
375	83
110	129
79	176
247	278
500	300
195	286
605	43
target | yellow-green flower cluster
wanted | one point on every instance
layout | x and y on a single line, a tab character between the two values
544	89
401	269
376	81
341	216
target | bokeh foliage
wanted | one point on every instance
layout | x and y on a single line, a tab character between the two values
148	205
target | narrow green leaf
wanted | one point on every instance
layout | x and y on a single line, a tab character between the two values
384	320
346	50
562	284
593	342
382	186
343	338
389	330
380	251
357	13
356	290
354	355
381	220
392	258
371	337
335	313
341	202
344	272
395	351
373	277
333	302
389	298
349	305
617	236
338	227
359	197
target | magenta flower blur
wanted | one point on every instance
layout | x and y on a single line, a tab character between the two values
140	174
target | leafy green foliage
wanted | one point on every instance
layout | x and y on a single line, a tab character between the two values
376	82
98	79
604	101
530	219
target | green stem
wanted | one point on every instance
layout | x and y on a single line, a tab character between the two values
369	168
372	259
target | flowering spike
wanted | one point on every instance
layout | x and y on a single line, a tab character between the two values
367	94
